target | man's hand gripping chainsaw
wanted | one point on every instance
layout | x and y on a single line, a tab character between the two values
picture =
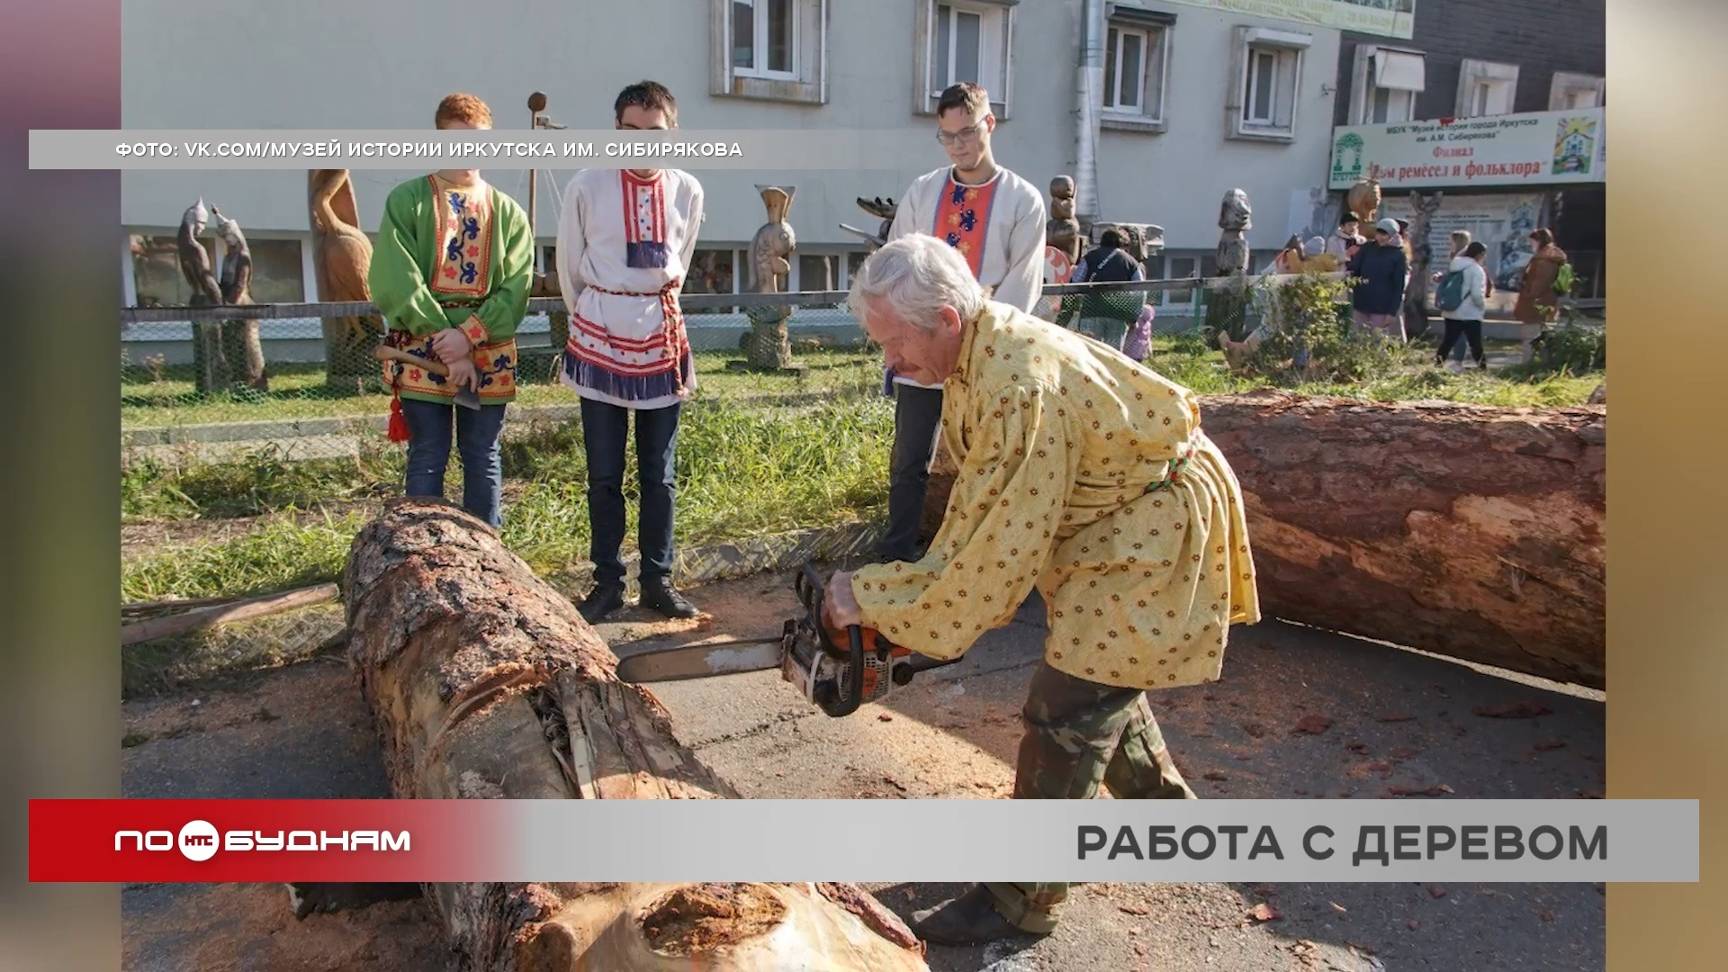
839	670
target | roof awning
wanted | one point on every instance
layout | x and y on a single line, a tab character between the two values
1402	70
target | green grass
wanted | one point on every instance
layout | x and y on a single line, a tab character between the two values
166	397
1188	363
743	471
279	553
757	454
263	482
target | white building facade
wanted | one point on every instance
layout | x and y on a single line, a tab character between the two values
1197	99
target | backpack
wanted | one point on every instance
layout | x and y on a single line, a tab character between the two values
1451	294
1563	279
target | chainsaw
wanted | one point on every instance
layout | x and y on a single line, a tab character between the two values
838	671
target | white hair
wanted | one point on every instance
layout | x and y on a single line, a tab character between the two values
916	276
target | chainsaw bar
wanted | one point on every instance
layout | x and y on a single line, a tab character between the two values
701	660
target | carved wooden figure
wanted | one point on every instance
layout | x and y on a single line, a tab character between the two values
341	257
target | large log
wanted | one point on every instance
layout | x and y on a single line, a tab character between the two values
1474	532
486	683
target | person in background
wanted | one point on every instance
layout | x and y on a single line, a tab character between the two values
1315	259
1466	281
1537	302
625	242
1288	259
1381	269
1344	242
1459	240
1409	253
1107	317
995	219
1138	344
450	274
1310	258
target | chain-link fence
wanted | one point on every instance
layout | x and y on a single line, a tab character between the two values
300	376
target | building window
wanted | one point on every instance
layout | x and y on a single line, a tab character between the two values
1486	88
711	272
1385	84
763	39
771	49
1571	91
278	272
156	271
964	40
1268	83
817	271
1184	265
1135	54
1262	108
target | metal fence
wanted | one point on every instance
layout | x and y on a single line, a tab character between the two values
322	392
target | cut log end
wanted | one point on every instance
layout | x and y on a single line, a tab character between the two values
703	918
487	683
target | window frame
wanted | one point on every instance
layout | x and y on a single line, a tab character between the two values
1156	29
1289	52
1365	91
806	83
1475	74
1566	83
996	39
759	42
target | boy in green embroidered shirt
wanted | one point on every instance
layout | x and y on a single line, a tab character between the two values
450	272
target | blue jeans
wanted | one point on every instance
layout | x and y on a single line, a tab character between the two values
605	430
477	437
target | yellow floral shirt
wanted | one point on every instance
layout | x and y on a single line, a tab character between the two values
1087	476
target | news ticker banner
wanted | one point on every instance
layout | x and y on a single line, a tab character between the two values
789	149
864	840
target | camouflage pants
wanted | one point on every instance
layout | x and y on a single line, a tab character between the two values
1080	734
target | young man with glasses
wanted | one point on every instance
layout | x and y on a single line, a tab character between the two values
996	220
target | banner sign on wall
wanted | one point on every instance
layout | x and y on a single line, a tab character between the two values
1535	148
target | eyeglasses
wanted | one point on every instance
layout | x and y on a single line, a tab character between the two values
967	134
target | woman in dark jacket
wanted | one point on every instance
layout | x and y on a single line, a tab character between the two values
1382	269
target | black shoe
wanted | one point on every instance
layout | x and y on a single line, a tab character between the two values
1481	364
659	596
970	919
601	602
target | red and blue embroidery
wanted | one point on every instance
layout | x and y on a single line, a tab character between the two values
644	221
464	232
963	219
494	366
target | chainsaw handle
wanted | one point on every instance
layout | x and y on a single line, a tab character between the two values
854	673
919	663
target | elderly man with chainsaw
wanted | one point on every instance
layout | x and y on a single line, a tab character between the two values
1081	474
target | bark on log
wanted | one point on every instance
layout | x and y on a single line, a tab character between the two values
486	683
1474	532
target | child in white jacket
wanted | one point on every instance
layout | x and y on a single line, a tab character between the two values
1465	320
